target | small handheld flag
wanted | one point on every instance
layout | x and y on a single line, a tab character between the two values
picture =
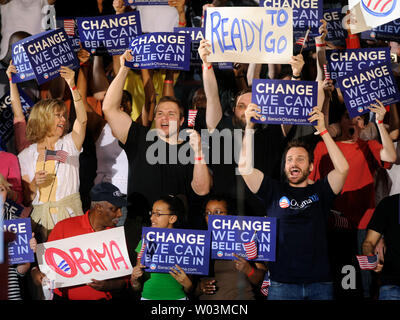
69	26
327	76
367	262
265	284
251	247
304	40
57	155
192	117
142	249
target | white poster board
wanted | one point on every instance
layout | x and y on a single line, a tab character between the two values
250	34
76	260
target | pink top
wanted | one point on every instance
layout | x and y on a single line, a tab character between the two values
9	168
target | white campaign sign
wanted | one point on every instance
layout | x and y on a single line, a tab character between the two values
250	34
76	260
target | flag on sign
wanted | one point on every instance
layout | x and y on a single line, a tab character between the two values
367	262
265	284
251	247
57	155
327	76
192	117
69	26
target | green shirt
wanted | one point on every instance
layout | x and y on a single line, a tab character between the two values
161	286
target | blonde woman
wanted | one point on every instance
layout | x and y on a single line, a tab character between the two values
53	184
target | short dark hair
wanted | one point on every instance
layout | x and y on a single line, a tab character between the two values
230	203
297	143
174	100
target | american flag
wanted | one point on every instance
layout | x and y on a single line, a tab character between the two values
367	262
251	247
57	155
265	284
192	117
302	40
142	249
338	221
69	26
327	76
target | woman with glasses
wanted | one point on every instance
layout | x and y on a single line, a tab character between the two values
229	279
167	212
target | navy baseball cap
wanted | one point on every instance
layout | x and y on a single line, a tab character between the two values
106	191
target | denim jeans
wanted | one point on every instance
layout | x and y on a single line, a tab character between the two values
300	291
389	292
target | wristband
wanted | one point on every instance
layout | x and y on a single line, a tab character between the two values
208	68
320	44
251	272
296	77
198	159
379	121
168	81
73	88
323	132
182	23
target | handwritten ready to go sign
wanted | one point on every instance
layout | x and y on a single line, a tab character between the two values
250	34
76	260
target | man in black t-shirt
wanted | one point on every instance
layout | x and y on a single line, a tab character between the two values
301	269
158	160
386	222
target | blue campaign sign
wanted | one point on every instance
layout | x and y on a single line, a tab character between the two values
145	3
48	53
110	34
164	248
361	88
21	61
71	29
12	208
342	62
389	31
19	250
306	13
196	35
164	50
229	234
336	33
7	115
285	101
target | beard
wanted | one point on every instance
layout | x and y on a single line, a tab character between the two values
299	179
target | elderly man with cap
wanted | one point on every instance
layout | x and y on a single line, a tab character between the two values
104	213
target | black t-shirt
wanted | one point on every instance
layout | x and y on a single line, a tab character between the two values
301	245
268	149
152	170
386	221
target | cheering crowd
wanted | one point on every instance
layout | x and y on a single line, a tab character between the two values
106	146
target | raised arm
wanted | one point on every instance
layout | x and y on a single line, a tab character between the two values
337	176
118	120
213	108
253	177
321	50
14	95
79	127
388	152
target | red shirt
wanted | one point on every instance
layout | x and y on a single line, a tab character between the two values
357	199
72	227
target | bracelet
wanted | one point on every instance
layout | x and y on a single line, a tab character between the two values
379	121
182	23
323	132
9	79
73	88
320	44
208	68
78	99
198	159
251	272
19	273
296	77
168	81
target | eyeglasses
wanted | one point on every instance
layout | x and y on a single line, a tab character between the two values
215	212
157	214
